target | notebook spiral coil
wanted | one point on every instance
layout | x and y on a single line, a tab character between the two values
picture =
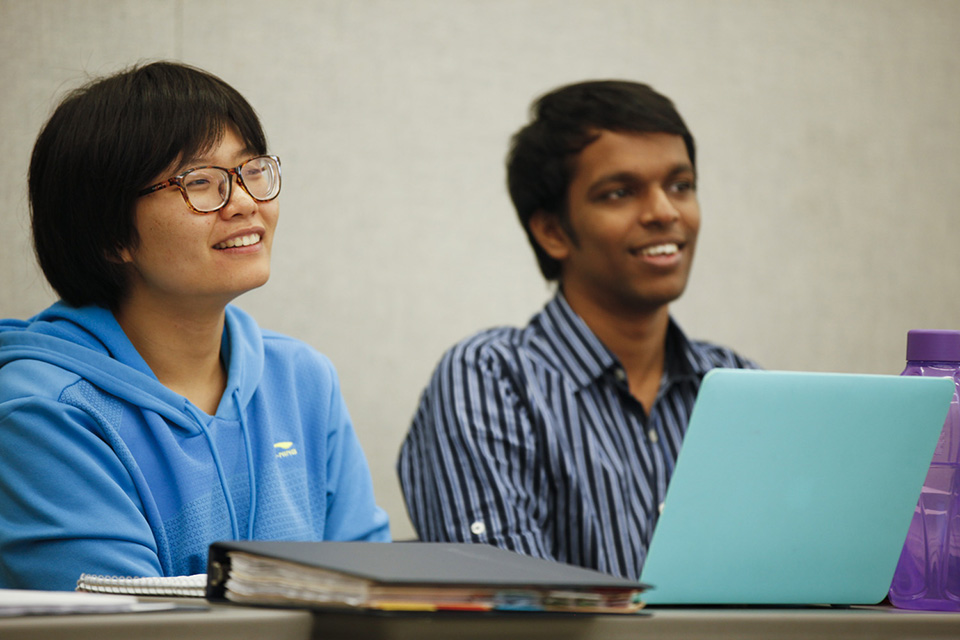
193	586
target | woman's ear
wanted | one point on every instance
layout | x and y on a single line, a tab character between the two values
120	255
550	234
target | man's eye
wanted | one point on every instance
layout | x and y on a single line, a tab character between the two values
683	186
616	194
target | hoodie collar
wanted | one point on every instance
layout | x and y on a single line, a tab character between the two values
88	341
242	351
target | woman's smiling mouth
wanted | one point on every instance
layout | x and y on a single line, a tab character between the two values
240	241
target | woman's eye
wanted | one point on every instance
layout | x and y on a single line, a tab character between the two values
197	183
200	179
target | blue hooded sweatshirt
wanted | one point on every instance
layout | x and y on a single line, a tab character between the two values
104	470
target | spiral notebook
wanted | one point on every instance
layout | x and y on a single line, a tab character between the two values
173	586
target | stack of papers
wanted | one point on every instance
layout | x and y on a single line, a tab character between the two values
16	602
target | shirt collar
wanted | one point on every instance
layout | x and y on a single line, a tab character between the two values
585	358
578	350
684	359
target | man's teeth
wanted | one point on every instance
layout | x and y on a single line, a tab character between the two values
242	241
661	250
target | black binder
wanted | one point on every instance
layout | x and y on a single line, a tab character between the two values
412	576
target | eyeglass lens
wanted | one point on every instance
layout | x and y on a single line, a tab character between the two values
209	188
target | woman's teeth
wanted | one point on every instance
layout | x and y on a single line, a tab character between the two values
242	241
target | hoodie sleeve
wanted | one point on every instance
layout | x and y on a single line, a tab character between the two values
352	512
67	505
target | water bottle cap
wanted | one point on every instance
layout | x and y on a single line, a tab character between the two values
933	345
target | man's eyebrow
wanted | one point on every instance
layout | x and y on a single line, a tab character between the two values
683	167
632	177
619	176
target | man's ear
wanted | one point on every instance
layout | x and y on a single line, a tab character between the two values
550	234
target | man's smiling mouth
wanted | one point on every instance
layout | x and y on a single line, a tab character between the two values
242	241
665	249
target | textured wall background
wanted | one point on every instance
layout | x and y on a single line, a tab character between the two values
829	137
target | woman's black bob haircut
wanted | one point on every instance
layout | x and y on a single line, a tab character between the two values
543	154
106	141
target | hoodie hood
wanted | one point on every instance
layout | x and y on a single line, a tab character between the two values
89	342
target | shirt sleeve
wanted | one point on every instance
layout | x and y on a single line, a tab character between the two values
469	468
67	504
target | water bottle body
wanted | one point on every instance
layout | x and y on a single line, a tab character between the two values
927	576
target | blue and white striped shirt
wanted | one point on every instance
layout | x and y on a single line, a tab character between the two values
529	439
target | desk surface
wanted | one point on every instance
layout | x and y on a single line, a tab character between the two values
242	623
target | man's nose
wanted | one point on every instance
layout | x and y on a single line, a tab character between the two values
658	208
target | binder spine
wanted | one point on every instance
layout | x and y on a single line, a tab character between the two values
218	571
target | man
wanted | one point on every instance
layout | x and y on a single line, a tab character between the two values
558	440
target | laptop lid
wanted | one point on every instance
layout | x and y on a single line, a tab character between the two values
794	488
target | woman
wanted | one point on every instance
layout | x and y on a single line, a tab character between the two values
142	417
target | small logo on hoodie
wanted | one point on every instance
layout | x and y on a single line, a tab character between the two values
284	449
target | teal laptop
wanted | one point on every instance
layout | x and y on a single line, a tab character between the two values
794	488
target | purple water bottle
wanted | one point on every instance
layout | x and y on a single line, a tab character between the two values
928	574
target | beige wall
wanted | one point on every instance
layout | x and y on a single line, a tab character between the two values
829	136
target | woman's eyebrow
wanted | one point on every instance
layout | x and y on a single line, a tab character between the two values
239	158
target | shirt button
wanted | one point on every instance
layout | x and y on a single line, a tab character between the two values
654	438
620	374
478	528
660	508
